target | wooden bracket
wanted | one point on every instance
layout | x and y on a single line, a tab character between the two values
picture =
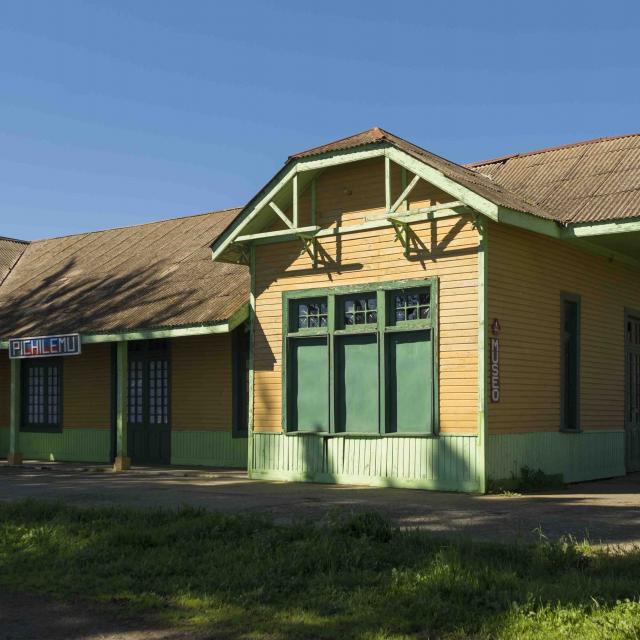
310	246
402	231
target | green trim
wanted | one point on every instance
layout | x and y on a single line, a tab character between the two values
380	329
483	339
601	228
235	320
252	340
4	442
14	407
122	378
208	449
529	222
438	179
278	183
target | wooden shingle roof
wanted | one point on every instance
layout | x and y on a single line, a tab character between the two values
147	276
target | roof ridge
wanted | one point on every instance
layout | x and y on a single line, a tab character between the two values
131	226
547	149
15	240
379	132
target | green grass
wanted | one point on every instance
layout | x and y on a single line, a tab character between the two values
351	576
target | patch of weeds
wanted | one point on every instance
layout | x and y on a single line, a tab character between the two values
527	481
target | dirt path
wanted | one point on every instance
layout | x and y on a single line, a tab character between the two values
606	511
26	617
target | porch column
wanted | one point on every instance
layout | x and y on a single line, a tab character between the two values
14	457
122	461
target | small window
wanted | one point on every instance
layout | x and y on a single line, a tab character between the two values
412	305
570	381
42	395
360	309
310	314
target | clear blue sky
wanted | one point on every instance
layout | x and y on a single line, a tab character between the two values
119	112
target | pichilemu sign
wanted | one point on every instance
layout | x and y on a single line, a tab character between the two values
45	346
494	360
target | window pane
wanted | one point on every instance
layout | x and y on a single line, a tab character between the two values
310	314
412	305
357	309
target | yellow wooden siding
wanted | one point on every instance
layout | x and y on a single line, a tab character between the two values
201	378
5	390
449	250
87	388
527	274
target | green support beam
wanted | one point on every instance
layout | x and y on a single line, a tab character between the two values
15	456
122	461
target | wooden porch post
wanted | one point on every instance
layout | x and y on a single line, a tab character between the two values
122	461
15	456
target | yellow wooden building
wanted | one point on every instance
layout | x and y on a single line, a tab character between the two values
409	322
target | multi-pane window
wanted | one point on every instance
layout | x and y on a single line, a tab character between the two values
360	309
312	314
42	394
366	366
412	305
148	395
570	354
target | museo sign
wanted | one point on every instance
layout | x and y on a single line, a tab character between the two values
45	346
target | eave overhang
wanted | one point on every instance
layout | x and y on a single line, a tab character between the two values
619	240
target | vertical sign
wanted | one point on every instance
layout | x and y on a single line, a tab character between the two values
494	360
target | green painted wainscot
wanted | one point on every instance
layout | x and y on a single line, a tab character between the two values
448	463
587	455
68	445
208	449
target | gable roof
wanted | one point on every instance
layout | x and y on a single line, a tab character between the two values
148	276
589	181
10	252
473	180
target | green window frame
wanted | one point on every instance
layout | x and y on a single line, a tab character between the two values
41	395
368	365
570	319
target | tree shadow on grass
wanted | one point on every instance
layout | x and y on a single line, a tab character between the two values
352	576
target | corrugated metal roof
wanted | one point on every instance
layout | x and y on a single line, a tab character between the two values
10	251
473	180
152	275
589	181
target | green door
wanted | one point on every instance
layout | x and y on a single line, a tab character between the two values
308	397
632	412
410	382
149	428
357	383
